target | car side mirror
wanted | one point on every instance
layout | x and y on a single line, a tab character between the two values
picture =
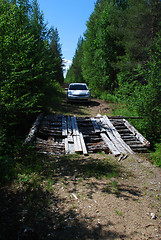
66	89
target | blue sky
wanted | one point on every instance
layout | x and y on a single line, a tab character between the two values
69	17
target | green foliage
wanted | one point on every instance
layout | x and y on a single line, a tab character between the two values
120	55
101	48
146	98
29	67
109	97
156	156
74	73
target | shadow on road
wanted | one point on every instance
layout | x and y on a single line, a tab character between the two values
76	108
38	210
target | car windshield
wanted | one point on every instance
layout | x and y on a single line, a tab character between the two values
78	87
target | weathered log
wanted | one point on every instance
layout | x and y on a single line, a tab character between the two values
97	147
69	125
121	117
137	134
141	150
31	136
113	139
66	146
64	127
133	143
48	143
120	126
122	144
92	140
95	125
83	144
124	131
110	145
128	137
75	126
77	144
66	134
137	146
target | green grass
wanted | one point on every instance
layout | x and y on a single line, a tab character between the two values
112	187
118	212
120	109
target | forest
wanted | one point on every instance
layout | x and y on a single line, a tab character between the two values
119	57
31	69
49	195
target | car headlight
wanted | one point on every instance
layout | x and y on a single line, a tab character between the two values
70	93
88	94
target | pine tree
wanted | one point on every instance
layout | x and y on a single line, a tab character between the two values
27	81
74	73
55	55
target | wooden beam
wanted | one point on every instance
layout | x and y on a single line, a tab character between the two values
77	144
73	126
83	144
66	146
113	139
64	127
69	124
102	129
110	145
121	117
136	134
95	125
34	129
71	145
120	141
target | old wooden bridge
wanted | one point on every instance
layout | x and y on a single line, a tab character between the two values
58	134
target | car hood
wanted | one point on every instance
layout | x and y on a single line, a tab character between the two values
78	92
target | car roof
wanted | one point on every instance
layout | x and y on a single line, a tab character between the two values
77	84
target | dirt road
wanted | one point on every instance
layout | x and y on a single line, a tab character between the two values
85	109
87	198
125	206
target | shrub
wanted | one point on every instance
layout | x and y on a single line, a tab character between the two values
156	156
108	97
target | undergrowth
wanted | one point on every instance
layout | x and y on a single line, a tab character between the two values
156	156
108	97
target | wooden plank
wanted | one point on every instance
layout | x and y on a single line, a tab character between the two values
100	126
77	144
121	117
76	126
137	146
110	145
113	138
69	125
95	125
117	135
71	147
73	126
83	144
136	133
66	146
64	127
70	139
34	129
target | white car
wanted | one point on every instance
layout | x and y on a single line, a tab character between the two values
78	92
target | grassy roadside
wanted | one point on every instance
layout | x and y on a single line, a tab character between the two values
30	192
